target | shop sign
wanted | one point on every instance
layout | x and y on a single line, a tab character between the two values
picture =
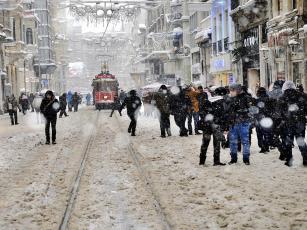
219	64
231	79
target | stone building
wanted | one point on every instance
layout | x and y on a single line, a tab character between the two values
286	53
250	18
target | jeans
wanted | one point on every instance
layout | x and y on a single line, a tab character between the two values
51	121
239	131
195	117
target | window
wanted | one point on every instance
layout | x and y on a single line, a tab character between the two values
29	35
279	6
294	4
13	26
226	24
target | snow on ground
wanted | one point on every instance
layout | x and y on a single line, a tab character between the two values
111	195
265	195
35	180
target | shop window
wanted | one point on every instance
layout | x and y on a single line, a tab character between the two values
264	33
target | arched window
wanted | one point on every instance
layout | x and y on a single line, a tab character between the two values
29	36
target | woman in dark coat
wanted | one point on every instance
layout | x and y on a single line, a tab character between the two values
50	107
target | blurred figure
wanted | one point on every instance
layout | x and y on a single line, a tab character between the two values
31	98
116	106
63	105
69	101
194	110
36	105
161	99
76	101
50	107
24	102
12	106
88	99
122	96
133	104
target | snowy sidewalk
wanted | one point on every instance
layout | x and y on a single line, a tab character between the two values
264	195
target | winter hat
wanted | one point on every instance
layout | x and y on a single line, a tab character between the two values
288	85
132	92
221	91
163	87
49	92
261	92
235	87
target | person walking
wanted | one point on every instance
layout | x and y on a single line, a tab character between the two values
69	101
24	102
31	99
116	106
240	122
194	110
88	99
133	104
213	123
50	107
161	101
293	108
12	106
63	105
38	98
76	101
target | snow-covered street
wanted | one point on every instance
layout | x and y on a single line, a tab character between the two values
36	180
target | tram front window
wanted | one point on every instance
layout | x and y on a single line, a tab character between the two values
107	86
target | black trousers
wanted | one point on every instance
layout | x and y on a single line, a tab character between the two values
218	137
51	121
288	134
76	107
164	123
133	122
13	116
180	122
63	111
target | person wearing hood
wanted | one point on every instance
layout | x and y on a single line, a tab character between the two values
293	108
12	106
49	108
133	104
161	100
213	123
24	102
69	101
63	105
239	122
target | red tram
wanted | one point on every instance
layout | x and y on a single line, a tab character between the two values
105	90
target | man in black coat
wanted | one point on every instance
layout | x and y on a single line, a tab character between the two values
213	123
133	104
63	105
50	107
293	108
179	105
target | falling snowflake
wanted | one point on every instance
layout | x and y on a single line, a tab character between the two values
266	122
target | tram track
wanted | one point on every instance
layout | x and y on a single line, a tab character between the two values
76	185
143	174
147	182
